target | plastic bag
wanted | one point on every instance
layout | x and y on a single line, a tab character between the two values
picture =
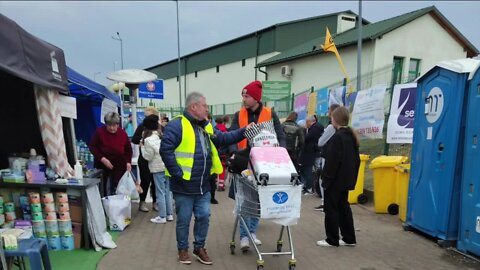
126	186
118	209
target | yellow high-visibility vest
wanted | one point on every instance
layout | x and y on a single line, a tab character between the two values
186	149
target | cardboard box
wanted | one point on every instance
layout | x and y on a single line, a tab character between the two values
76	208
77	234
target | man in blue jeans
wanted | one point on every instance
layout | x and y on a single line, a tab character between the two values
188	149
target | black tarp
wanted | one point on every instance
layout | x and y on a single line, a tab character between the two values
30	58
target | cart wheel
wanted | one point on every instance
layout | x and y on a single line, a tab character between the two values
232	248
279	247
362	199
393	209
260	264
291	264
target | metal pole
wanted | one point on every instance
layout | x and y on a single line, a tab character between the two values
179	68
121	49
359	46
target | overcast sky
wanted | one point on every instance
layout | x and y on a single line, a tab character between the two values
84	30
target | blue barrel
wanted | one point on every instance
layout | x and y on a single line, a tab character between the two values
437	150
469	231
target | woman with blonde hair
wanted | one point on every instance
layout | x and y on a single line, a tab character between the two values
339	176
146	176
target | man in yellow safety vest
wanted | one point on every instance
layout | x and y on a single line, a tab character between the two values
188	149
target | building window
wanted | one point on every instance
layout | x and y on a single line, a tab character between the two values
177	78
218	69
397	70
413	69
196	74
243	62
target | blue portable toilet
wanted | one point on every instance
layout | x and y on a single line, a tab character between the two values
469	230
436	159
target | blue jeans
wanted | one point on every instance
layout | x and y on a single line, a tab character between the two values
185	205
252	224
306	174
164	199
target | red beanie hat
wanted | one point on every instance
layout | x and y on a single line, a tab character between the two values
253	89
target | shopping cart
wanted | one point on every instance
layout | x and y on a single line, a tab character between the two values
247	204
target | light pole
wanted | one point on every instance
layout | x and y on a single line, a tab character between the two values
95	75
179	72
121	47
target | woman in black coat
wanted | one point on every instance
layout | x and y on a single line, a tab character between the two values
339	176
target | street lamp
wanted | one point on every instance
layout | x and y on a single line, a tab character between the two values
95	75
121	47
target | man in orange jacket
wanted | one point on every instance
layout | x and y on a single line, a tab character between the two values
254	111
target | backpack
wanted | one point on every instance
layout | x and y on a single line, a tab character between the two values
291	135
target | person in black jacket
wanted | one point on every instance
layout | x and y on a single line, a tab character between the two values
309	152
146	176
339	175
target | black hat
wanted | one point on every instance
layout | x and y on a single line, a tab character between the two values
151	122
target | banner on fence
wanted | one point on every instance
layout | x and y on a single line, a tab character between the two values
300	105
153	90
337	96
322	101
367	116
312	103
402	112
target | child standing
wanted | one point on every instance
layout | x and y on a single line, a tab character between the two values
151	152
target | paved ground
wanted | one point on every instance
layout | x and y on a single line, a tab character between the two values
382	244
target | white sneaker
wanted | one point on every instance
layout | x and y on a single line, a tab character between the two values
256	240
244	243
170	218
323	243
158	220
342	243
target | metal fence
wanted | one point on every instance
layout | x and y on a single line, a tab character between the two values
372	147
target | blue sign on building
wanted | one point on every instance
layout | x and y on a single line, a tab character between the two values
153	89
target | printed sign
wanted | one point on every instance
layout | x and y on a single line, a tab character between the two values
67	106
402	113
153	90
300	105
367	115
312	103
322	101
276	90
280	201
337	96
434	105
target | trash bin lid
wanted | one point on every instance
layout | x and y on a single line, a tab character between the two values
364	157
387	161
403	168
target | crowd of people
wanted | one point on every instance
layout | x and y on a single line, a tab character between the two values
183	163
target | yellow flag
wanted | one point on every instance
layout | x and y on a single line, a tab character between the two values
329	45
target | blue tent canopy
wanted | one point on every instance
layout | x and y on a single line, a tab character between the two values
89	95
83	88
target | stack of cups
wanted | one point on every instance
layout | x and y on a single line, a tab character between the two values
51	223
37	217
64	223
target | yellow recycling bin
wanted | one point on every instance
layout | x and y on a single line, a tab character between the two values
356	195
402	172
384	183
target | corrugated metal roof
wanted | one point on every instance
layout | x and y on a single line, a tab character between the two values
369	32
